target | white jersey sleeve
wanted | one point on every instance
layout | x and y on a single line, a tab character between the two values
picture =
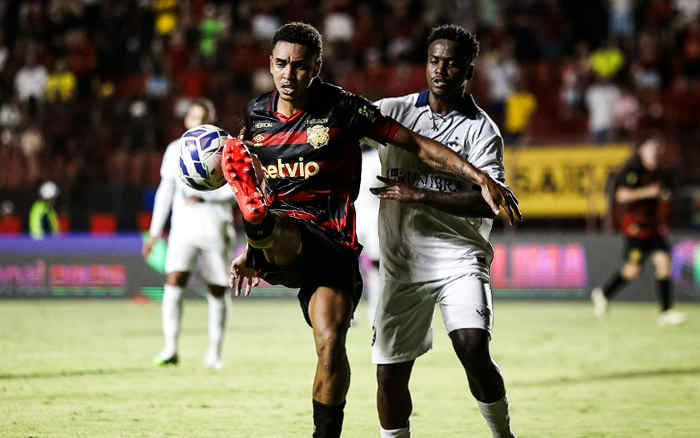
222	194
487	155
165	193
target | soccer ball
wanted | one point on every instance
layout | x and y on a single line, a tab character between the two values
200	157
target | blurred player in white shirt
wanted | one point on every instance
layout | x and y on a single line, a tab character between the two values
367	224
200	231
433	232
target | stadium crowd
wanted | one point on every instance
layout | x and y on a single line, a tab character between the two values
92	91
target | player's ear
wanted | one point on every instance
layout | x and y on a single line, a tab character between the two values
470	72
270	64
317	67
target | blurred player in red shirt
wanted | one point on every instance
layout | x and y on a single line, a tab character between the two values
642	196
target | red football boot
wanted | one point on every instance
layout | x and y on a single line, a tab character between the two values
238	166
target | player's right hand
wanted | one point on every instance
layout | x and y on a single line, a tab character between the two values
240	272
497	194
148	246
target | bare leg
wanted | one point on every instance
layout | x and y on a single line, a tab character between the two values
330	311
485	380
472	348
394	403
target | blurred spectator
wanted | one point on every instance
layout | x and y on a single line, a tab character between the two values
688	10
691	49
32	145
30	80
264	23
621	20
501	72
338	27
157	84
599	101
165	16
4	53
607	60
60	85
9	222
43	220
520	106
210	28
625	113
645	68
10	112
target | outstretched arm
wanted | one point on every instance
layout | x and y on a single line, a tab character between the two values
442	158
624	195
464	203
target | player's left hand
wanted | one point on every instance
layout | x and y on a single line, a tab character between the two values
240	273
397	191
498	194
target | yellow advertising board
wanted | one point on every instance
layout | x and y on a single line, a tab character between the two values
563	181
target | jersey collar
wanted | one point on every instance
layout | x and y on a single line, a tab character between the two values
467	105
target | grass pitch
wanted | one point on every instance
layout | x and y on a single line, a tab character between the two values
83	369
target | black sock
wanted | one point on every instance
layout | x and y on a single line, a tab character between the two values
260	231
614	284
328	420
665	299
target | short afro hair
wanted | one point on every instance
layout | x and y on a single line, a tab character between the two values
301	33
467	44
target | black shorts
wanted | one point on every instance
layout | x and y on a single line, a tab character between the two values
637	250
322	262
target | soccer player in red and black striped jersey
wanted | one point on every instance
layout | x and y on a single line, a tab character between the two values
296	172
642	196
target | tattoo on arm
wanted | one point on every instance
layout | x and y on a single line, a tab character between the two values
467	203
436	155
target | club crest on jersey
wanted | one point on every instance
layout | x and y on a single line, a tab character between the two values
258	139
318	136
367	113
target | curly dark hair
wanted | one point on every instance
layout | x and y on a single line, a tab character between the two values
301	33
467	44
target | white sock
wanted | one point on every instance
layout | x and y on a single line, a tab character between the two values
404	432
172	312
497	417
217	324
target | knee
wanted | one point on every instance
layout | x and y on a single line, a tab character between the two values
630	271
177	279
329	342
390	378
217	291
471	346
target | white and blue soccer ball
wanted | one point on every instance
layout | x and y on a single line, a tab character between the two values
199	166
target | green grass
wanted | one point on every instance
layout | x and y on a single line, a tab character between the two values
83	369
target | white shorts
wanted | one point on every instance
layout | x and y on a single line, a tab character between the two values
402	321
212	257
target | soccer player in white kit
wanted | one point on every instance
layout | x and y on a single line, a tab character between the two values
200	231
434	232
